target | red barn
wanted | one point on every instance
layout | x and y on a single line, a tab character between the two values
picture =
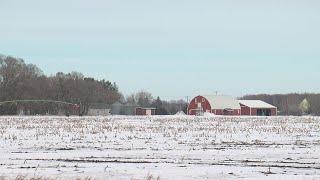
257	108
219	105
145	111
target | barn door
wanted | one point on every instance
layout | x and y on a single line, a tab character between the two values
148	112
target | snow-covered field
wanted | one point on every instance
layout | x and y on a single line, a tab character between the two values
160	147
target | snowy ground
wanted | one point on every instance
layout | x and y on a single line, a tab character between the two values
160	147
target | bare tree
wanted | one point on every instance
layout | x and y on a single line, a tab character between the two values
19	80
144	98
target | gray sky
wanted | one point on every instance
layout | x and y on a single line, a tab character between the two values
171	48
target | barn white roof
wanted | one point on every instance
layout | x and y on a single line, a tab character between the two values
256	104
222	102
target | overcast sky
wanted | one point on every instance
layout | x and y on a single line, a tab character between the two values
172	48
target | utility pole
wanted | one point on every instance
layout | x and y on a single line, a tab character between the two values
187	105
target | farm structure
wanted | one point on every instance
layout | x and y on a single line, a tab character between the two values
226	105
99	109
145	111
257	108
131	109
128	109
216	104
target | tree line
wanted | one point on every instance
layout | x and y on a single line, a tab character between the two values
22	81
291	104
